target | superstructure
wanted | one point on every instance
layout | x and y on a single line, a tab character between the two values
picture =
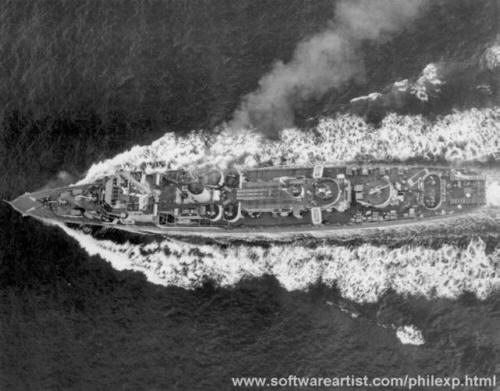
259	199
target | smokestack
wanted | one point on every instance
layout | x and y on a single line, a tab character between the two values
325	61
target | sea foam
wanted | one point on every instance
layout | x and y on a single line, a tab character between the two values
362	274
410	335
461	136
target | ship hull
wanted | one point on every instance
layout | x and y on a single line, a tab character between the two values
371	193
285	232
248	234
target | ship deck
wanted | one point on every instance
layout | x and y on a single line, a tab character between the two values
370	185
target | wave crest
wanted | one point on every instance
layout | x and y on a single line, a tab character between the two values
461	136
362	274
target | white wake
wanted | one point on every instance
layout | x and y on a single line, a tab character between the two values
462	136
362	274
410	335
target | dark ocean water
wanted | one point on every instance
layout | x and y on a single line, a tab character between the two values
82	81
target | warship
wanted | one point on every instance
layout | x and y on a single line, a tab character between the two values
247	202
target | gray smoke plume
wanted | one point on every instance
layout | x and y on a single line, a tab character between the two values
325	61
